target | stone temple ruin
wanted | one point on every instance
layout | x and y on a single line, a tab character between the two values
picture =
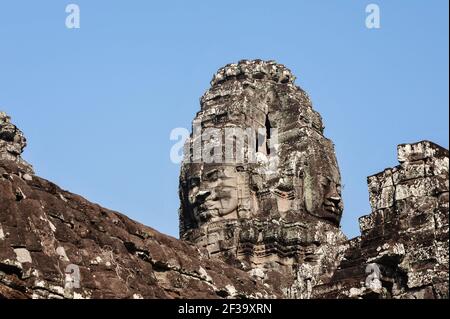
262	227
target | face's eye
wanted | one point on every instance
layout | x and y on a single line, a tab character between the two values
212	176
324	181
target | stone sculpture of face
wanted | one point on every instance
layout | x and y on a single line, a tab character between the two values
308	182
322	187
213	193
217	192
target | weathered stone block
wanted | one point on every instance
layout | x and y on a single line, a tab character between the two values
419	151
436	166
409	170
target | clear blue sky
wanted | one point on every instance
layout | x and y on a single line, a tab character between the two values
98	103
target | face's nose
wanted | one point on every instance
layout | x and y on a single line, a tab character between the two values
201	196
333	195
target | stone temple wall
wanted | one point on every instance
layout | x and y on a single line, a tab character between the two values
403	248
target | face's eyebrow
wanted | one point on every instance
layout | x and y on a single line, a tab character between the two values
213	171
323	179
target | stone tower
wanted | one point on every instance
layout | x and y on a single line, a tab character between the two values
274	204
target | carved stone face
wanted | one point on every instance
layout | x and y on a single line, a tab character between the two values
213	192
300	176
322	187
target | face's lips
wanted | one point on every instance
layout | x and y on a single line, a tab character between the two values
334	199
204	215
332	205
208	205
330	208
